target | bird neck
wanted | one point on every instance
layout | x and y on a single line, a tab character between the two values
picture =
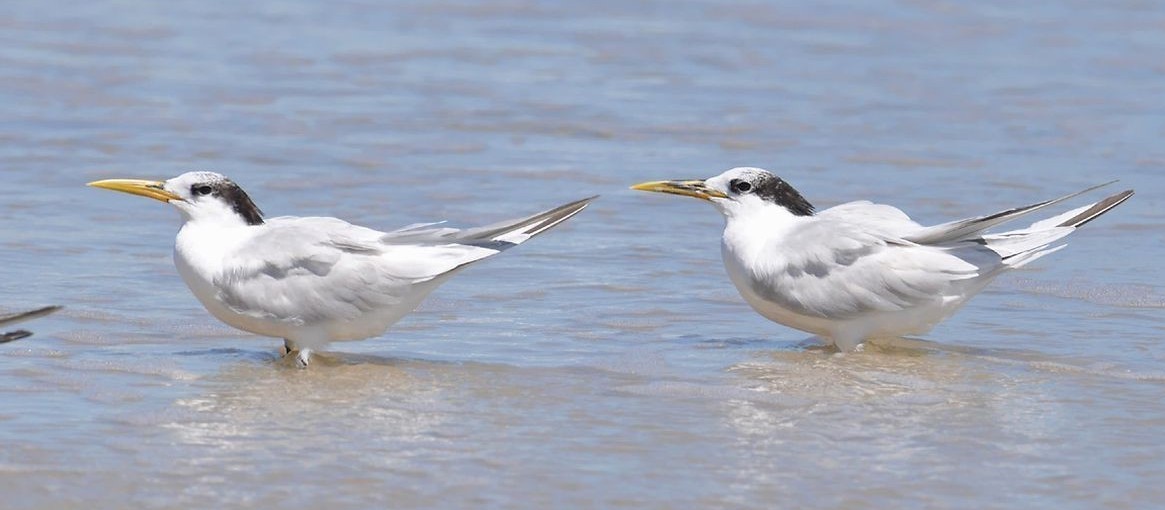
750	231
203	246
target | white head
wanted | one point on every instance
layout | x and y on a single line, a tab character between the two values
198	196
737	191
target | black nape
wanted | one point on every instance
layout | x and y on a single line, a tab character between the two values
774	189
239	201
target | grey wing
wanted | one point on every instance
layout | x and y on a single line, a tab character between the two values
325	268
880	220
310	269
839	271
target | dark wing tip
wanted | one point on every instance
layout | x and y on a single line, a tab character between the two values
24	316
1098	209
583	202
560	214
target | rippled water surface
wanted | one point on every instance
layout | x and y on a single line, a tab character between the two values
609	363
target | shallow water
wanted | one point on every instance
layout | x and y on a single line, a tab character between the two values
609	363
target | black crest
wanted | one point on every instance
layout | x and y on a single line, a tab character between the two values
771	188
233	195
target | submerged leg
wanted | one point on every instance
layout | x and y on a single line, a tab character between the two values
849	343
303	358
302	354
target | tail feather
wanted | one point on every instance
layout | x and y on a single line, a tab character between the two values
1019	247
1018	242
1023	259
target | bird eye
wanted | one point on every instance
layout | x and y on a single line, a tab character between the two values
739	186
200	190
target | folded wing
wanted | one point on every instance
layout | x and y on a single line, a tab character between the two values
324	268
841	271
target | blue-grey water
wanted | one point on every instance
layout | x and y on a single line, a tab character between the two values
609	363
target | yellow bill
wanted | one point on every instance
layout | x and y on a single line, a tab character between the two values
149	189
689	188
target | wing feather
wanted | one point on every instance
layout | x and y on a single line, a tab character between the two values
972	227
840	270
25	316
314	269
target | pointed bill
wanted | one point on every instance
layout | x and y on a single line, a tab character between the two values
149	189
690	188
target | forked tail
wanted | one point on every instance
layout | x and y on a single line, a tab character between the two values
1019	247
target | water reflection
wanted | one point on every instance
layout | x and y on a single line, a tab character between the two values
253	416
953	420
273	401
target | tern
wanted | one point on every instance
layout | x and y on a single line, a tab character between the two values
6	320
315	280
860	270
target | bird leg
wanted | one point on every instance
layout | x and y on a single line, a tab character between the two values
848	343
303	358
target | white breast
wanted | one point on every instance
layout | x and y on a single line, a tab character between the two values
199	255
